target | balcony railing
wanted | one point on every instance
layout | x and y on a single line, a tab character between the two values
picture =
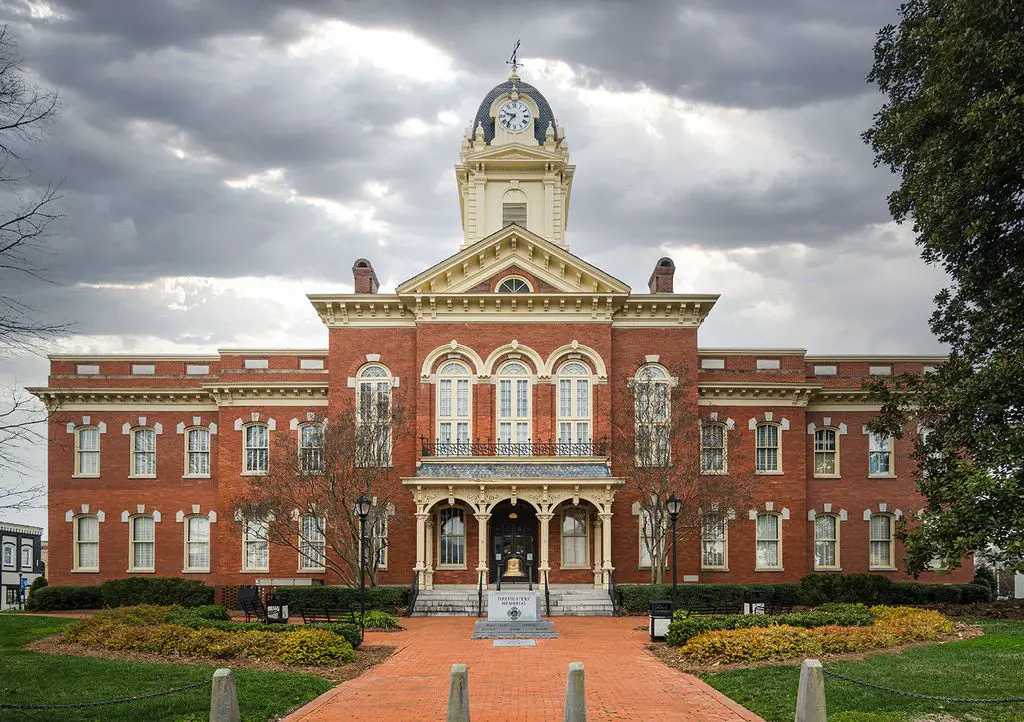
597	447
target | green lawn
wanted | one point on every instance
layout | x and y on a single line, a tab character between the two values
32	678
986	667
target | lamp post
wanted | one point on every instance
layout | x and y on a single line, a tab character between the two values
362	509
673	505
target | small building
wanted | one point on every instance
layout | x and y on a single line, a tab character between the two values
21	559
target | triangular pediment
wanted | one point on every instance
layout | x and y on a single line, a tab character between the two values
516	151
518	247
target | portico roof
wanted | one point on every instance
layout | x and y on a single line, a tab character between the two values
514	470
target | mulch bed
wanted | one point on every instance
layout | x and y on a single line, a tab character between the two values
366	657
670	655
1006	609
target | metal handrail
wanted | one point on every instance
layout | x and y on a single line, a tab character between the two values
613	592
480	593
529	575
414	593
597	447
547	593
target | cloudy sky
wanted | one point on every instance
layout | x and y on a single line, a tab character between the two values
222	158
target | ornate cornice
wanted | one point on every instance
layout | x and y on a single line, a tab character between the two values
664	309
73	399
313	393
753	393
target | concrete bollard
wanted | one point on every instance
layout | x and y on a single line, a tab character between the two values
458	694
810	696
575	695
224	697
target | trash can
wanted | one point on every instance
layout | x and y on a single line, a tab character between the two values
660	611
277	609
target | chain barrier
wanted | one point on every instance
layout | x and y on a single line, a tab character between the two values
917	695
123	700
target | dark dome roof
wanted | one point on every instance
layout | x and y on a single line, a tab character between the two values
539	128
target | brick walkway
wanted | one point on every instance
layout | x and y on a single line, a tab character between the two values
624	681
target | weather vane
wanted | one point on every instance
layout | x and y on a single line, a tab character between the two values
514	60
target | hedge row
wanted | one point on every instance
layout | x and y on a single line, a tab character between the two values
123	593
684	628
387	598
51	598
633	598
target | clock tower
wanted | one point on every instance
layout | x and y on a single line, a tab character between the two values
514	166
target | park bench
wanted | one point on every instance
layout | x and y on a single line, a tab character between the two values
312	614
707	606
253	609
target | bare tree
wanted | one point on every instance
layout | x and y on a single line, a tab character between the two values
659	444
306	501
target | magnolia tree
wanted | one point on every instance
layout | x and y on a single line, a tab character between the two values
663	447
307	499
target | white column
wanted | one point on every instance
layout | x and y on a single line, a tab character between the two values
429	572
598	526
606	535
481	554
545	537
421	532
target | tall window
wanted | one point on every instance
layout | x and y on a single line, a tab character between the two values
513	410
257	449
768	447
826	542
573	408
826	453
197	543
8	555
311	448
574	538
648	538
26	558
712	539
141	544
87	451
374	415
879	455
453	410
513	284
379	535
513	208
197	454
712	448
256	548
87	544
652	409
769	543
881	542
312	546
143	452
453	537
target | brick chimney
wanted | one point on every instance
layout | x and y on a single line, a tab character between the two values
365	280
662	276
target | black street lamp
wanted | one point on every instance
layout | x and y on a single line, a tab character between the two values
362	510
673	505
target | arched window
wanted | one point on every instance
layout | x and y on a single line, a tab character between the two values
881	542
826	452
197	543
452	537
513	410
769	449
513	208
769	541
142	533
257	449
826	541
312	544
712	448
87	544
373	394
143	452
8	555
197	452
454	401
574	409
514	284
311	448
574	537
653	415
713	542
87	451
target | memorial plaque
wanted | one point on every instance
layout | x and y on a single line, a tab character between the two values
514	643
513	606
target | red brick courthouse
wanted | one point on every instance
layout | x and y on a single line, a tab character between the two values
511	356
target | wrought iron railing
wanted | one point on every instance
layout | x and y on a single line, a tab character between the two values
480	593
414	592
547	594
597	447
613	593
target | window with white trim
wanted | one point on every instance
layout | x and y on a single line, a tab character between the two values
87	451
141	545
87	544
653	413
769	541
513	410
256	545
373	394
881	542
648	538
452	537
712	448
311	448
879	455
454	401
514	213
312	543
197	451
574	537
574	401
379	535
513	284
143	452
826	452
197	543
713	554
768	448
257	448
8	555
26	558
826	541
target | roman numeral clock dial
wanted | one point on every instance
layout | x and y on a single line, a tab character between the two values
514	116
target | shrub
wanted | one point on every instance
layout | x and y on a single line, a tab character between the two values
984	574
913	593
38	583
313	647
156	590
975	593
376	619
213	612
635	597
391	599
350	632
687	627
51	598
816	589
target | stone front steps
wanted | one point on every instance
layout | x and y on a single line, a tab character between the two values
462	602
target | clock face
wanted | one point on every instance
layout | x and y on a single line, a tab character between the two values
514	116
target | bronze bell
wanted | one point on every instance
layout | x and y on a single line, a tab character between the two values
513	568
